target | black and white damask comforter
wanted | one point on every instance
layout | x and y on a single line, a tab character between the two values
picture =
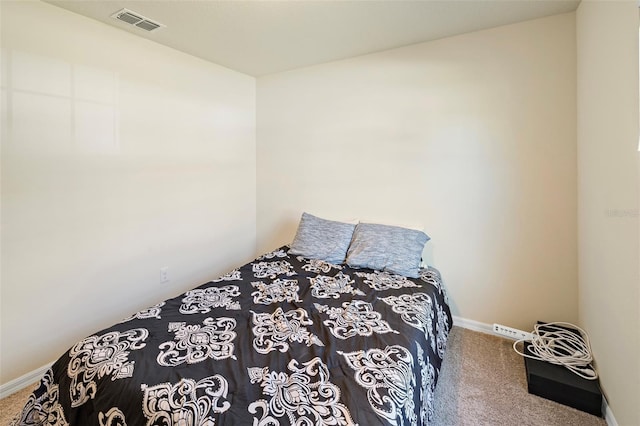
282	340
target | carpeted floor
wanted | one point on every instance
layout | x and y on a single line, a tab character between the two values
482	382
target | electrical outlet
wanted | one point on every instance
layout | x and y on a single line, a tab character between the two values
512	333
164	274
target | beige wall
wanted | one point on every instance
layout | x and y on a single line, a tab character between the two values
608	198
113	167
471	136
119	157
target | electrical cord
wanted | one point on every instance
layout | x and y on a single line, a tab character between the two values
552	342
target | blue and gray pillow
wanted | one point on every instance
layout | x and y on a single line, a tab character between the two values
388	248
322	239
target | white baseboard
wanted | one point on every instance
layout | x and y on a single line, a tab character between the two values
488	329
23	381
608	414
473	325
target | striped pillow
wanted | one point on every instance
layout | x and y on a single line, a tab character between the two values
387	248
322	239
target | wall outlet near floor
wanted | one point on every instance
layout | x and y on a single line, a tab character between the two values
512	333
164	274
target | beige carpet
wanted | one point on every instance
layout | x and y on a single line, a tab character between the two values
482	382
12	405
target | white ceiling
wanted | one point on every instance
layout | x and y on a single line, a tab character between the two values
264	37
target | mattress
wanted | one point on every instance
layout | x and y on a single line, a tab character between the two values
281	340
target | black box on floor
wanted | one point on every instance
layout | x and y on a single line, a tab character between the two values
559	384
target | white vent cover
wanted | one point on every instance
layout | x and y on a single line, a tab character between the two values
136	19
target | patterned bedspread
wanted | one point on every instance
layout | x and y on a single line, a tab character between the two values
281	340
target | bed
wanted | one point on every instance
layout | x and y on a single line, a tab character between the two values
284	339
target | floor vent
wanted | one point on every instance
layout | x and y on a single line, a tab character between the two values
136	19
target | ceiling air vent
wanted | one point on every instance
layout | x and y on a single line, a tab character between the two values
134	18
